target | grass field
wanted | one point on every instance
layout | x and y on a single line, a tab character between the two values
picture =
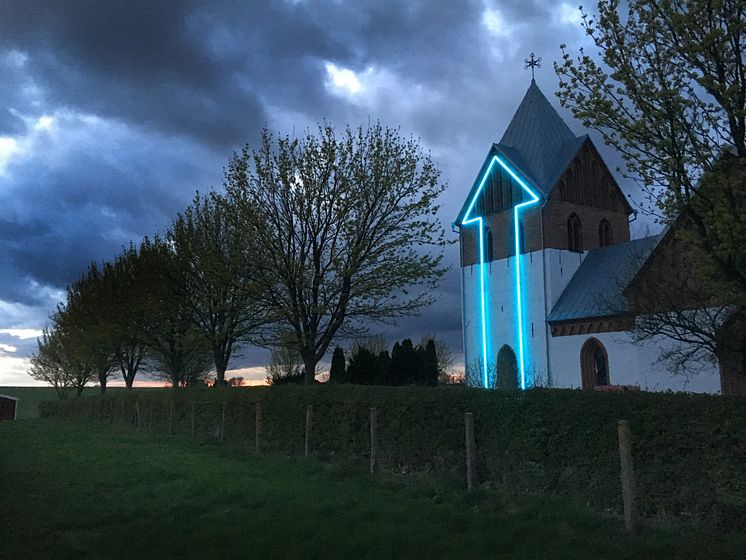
30	397
72	490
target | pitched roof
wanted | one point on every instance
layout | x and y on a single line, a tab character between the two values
542	140
537	143
595	290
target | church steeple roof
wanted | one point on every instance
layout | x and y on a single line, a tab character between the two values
539	138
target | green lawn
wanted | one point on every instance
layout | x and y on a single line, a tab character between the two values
97	491
30	397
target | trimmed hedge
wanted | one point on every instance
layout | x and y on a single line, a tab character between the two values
689	450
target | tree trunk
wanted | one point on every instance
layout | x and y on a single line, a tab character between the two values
102	382
309	371
220	375
128	381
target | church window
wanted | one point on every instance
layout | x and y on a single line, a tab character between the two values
594	364
605	237
490	254
574	233
562	190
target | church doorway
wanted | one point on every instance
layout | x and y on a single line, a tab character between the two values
507	369
594	364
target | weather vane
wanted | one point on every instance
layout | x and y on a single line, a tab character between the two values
532	63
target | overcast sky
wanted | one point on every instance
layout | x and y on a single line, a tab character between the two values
112	114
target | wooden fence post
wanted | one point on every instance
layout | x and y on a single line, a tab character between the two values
471	477
194	417
137	413
309	421
171	417
257	427
628	475
373	439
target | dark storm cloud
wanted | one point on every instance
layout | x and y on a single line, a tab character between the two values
149	98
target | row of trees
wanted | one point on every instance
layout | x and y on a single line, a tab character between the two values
310	240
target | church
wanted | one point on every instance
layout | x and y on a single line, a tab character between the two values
546	256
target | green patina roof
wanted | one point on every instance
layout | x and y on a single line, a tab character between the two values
596	289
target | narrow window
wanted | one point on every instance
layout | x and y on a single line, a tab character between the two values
562	190
574	234
605	237
594	364
489	255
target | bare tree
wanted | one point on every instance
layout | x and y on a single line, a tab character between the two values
344	225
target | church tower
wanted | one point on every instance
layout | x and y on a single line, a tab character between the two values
542	199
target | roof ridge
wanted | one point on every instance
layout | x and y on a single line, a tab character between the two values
539	135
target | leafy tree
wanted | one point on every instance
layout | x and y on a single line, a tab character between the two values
343	224
49	365
127	308
179	351
285	365
83	326
60	362
338	372
217	276
669	92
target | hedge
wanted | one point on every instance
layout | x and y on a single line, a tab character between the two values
689	450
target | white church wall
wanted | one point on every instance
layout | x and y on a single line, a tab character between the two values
502	312
561	265
629	364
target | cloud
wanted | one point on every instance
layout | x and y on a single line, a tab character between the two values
114	113
22	334
342	80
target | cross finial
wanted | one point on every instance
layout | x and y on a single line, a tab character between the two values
532	63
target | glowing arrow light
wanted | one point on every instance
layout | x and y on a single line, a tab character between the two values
468	219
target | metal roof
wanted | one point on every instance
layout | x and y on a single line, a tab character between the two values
545	144
596	289
537	143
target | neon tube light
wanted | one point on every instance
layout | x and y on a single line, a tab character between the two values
519	295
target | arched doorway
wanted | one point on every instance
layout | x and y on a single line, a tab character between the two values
594	364
507	369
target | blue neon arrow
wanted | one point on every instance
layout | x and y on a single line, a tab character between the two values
519	296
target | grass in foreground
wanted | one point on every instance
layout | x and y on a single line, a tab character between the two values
96	491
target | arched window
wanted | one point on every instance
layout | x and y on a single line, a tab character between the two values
570	189
605	237
562	190
506	376
574	233
594	364
489	255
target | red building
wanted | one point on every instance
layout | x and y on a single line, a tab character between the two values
8	407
